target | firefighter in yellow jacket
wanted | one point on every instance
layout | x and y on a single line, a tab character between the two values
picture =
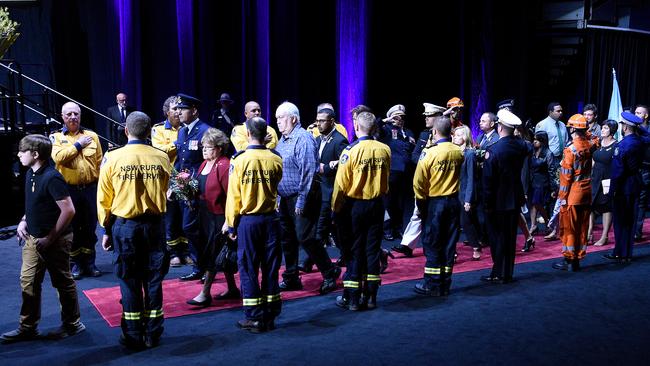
131	202
361	182
252	220
77	154
575	193
436	184
239	137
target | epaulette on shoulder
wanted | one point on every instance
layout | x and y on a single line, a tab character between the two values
237	154
275	152
353	144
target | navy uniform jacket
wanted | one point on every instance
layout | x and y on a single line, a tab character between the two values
189	148
627	161
419	145
331	151
400	146
502	188
469	178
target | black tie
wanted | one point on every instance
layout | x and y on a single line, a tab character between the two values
123	115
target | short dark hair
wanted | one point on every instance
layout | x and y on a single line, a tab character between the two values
330	113
551	106
443	126
613	126
138	125
38	143
590	107
491	116
257	128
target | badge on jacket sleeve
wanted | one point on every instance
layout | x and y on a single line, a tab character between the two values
344	159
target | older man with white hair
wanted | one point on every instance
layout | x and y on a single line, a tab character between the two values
300	201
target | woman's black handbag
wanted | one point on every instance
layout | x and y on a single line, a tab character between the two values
227	257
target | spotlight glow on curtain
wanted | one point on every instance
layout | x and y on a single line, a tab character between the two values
185	36
123	8
351	24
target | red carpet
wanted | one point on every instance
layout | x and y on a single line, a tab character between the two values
106	300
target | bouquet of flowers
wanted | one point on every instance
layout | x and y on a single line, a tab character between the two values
183	186
8	33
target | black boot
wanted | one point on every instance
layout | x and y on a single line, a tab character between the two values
575	265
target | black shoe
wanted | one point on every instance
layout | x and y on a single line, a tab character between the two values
75	271
371	304
270	324
389	237
403	249
397	235
66	331
492	279
345	303
92	271
19	335
422	289
575	265
203	304
329	284
293	285
612	257
530	245
130	343
151	341
229	295
253	326
562	265
383	259
191	276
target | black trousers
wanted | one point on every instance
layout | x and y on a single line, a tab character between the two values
503	239
141	263
300	230
625	210
441	220
363	220
394	202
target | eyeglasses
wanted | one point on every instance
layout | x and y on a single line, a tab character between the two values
322	120
208	147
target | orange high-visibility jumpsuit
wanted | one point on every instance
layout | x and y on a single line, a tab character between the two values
575	190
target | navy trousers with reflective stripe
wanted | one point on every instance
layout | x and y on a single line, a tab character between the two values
439	237
141	263
366	219
258	240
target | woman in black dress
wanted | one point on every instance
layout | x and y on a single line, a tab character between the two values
600	173
541	167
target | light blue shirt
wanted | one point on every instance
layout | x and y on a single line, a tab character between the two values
552	127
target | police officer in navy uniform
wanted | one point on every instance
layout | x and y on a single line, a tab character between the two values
626	184
131	202
503	195
255	174
189	157
401	141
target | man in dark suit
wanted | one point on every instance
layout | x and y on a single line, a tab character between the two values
331	144
503	195
118	113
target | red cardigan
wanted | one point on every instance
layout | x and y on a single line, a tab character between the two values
216	185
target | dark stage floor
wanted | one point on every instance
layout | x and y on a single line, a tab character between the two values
598	316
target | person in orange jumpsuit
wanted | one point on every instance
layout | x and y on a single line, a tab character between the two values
575	193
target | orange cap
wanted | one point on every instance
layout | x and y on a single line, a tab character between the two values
455	102
577	121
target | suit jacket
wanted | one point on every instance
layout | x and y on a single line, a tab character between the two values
331	151
189	148
502	186
485	142
469	178
116	132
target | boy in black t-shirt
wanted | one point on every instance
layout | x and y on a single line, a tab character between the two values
47	239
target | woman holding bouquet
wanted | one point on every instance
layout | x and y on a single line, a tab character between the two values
213	186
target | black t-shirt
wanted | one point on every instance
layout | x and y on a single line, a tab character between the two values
42	189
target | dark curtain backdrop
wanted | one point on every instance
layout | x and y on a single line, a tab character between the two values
628	53
271	51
